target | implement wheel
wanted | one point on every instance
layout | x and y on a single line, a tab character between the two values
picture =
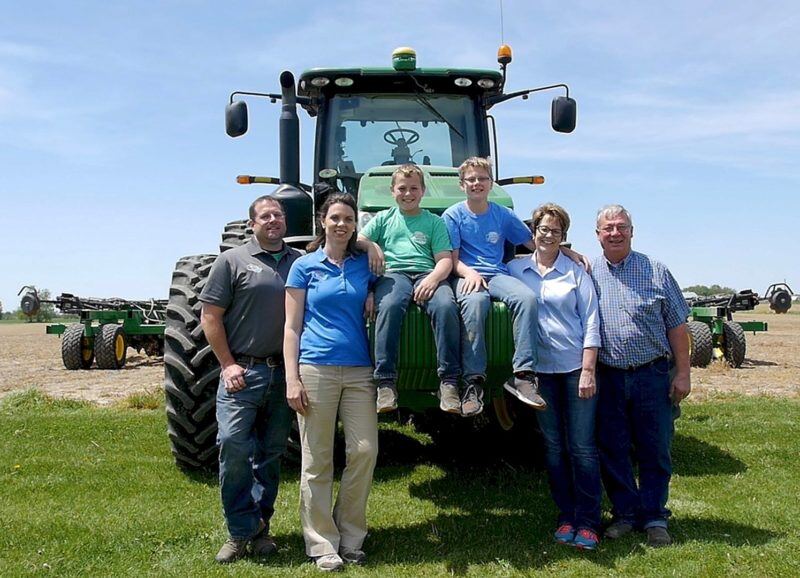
111	346
701	343
734	344
780	301
77	350
191	371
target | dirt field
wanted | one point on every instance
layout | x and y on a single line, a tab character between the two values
30	358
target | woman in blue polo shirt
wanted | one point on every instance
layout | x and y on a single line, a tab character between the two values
568	339
329	373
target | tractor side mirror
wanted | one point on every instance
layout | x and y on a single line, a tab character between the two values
563	114
236	118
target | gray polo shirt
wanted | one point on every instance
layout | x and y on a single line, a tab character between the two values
248	282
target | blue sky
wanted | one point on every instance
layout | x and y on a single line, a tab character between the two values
115	162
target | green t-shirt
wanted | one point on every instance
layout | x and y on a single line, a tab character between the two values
409	243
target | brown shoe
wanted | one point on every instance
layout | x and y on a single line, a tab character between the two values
658	537
232	550
472	398
263	544
526	389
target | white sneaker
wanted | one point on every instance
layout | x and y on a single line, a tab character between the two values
329	562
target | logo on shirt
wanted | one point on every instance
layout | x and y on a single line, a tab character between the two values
492	237
319	275
420	237
254	268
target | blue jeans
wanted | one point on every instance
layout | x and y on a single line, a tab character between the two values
520	300
573	467
393	293
254	426
634	412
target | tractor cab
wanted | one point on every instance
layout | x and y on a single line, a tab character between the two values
370	120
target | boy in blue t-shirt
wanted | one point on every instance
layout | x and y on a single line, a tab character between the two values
417	250
478	231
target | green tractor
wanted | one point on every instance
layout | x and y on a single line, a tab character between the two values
368	121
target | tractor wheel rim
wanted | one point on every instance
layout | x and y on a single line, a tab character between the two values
119	347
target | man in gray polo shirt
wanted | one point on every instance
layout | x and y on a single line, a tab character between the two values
243	317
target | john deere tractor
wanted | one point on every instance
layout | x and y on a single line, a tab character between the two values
368	121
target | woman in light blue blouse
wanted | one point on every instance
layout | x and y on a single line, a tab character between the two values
329	374
568	339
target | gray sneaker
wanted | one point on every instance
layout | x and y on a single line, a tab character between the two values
472	398
387	396
329	563
448	398
618	530
658	537
232	550
526	389
356	557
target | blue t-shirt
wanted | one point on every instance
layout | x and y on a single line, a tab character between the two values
480	239
334	332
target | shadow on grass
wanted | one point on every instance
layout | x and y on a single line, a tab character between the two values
694	457
719	531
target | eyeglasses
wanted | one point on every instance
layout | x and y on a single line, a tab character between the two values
547	231
473	180
621	228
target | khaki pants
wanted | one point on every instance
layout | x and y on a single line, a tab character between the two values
350	393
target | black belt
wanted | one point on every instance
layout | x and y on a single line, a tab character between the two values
642	366
271	361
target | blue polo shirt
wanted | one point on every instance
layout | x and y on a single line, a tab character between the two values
334	331
480	239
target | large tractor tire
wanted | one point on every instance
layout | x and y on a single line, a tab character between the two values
701	343
734	345
234	234
77	350
191	371
111	346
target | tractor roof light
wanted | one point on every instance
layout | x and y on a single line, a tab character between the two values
343	81
404	58
463	82
320	81
504	54
486	83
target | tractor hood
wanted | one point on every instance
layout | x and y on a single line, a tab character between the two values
441	190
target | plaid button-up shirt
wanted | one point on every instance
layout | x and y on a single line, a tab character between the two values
639	302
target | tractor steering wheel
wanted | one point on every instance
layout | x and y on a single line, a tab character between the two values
394	136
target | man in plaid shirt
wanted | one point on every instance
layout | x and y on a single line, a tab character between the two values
644	337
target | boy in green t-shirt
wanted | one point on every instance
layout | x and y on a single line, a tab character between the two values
417	250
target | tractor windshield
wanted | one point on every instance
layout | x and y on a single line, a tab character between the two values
366	130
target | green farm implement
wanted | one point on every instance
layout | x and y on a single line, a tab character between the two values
713	334
106	328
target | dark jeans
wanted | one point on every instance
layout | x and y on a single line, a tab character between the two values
254	426
634	420
573	467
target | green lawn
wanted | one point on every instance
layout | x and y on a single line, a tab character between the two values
87	491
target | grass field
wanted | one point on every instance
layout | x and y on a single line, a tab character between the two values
90	491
